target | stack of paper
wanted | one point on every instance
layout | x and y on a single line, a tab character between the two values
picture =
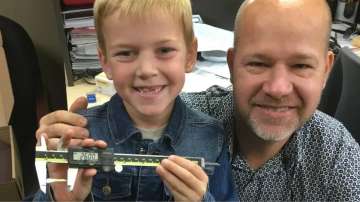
213	43
79	24
84	49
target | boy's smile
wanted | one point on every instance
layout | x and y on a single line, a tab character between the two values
147	58
149	91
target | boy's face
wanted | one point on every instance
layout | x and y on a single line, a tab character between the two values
147	60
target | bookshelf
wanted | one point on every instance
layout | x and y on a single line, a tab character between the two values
81	59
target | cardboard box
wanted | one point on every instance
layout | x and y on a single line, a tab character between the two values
11	183
6	96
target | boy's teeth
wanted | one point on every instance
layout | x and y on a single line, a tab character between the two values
149	89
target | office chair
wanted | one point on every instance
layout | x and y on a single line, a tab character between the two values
348	108
332	91
27	89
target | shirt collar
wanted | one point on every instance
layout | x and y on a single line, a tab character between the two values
292	152
119	121
288	157
176	122
122	127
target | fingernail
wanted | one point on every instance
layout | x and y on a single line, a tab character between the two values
83	122
164	161
86	133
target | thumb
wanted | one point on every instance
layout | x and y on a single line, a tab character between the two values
79	103
83	183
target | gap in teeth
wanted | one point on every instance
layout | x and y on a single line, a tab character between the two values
149	89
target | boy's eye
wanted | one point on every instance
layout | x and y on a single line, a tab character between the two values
165	50
125	55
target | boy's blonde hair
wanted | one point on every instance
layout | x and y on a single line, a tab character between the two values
180	10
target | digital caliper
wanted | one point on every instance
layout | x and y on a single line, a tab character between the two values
104	159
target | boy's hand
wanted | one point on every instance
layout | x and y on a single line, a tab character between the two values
65	125
186	180
83	182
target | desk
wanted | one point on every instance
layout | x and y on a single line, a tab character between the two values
81	88
204	75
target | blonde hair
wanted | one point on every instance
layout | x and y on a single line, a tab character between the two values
180	10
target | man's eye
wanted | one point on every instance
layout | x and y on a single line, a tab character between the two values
302	66
257	64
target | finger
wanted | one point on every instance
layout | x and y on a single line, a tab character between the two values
190	166
175	185
79	103
60	191
50	143
177	195
57	170
93	143
60	129
187	172
62	116
82	186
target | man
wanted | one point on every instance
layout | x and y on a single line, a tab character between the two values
283	148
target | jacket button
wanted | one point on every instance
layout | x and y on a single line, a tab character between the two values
106	190
142	150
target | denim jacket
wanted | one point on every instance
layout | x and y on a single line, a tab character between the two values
188	133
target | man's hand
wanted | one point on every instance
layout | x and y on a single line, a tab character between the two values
185	179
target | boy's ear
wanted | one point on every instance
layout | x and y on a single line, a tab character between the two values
191	56
230	61
104	65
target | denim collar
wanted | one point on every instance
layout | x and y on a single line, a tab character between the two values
122	127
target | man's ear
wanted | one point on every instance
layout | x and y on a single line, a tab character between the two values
230	61
328	66
191	56
104	64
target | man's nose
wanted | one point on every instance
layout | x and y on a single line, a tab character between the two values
278	82
147	66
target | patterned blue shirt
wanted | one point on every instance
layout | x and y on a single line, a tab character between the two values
320	162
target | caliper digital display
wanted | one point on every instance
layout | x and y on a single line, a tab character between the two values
85	156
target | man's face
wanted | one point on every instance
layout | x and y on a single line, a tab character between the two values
279	68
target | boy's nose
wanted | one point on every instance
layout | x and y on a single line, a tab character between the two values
147	67
278	84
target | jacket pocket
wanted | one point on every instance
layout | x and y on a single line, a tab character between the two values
112	186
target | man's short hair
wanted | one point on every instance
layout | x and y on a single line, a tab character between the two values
327	17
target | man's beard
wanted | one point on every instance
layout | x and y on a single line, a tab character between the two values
283	130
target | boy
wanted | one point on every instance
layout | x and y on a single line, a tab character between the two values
146	47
